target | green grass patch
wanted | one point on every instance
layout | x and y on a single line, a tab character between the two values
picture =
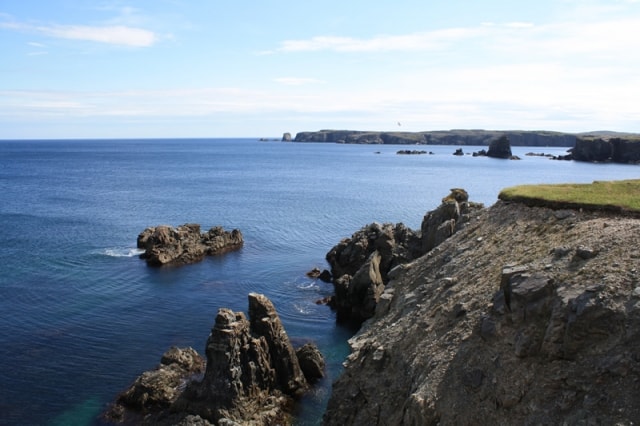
617	196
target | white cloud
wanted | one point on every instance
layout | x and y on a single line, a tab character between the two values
115	34
297	81
119	35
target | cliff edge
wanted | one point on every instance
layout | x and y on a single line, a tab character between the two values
527	315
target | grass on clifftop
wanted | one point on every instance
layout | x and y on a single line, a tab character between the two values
617	196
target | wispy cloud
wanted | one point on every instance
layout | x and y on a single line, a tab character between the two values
405	42
113	34
297	81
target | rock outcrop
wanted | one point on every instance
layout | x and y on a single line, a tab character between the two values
500	148
526	315
252	376
360	265
166	245
286	137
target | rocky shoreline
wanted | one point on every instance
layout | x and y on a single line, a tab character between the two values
513	314
525	315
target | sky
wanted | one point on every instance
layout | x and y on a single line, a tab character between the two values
209	68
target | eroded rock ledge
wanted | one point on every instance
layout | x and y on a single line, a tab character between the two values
252	376
527	315
166	245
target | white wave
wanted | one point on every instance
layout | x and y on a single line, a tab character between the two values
302	309
122	252
307	285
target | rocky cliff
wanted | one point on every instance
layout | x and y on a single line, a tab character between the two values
617	150
526	315
440	137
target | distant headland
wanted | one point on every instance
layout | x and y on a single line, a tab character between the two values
453	137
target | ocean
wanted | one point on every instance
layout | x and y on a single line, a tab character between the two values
81	316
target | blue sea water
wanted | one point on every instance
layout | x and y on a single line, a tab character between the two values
81	315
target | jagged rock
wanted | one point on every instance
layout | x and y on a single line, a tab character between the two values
361	264
447	219
185	244
500	148
365	289
157	389
286	137
311	362
252	375
458	152
396	243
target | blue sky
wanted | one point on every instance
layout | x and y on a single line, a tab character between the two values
208	68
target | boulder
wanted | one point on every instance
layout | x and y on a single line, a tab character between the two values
500	148
166	245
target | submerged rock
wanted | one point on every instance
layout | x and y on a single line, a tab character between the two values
164	245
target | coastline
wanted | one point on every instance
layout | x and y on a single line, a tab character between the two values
450	347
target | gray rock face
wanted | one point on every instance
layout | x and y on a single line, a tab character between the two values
625	150
252	375
359	266
593	150
521	317
166	245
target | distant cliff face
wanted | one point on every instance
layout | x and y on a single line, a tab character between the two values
618	150
448	137
525	316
